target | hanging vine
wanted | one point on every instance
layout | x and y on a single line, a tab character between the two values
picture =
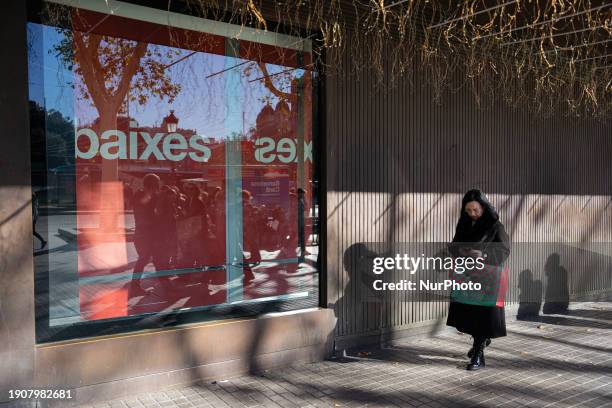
549	56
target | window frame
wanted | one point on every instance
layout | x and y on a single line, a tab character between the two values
130	324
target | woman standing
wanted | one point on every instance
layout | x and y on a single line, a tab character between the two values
480	234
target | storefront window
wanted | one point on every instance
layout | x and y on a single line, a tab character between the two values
173	170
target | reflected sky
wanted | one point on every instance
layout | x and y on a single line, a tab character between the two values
219	96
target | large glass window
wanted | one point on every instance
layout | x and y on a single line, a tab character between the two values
172	169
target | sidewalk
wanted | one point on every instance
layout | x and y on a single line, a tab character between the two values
559	361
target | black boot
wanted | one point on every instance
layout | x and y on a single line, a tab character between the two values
471	351
478	359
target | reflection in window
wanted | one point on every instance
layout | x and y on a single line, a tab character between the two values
173	172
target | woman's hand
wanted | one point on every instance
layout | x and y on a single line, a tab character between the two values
465	251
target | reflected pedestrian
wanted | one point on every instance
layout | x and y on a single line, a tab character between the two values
35	211
144	203
167	211
252	228
301	223
196	224
128	196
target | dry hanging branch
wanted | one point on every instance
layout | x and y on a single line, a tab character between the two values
549	56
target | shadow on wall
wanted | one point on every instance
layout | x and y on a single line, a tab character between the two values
546	291
359	299
530	296
589	270
553	273
556	299
363	309
397	166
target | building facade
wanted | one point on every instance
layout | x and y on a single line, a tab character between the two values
205	204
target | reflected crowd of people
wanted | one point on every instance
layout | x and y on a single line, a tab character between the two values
175	226
182	225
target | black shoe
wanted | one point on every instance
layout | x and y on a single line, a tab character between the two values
478	359
471	351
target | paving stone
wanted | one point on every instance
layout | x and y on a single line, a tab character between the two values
567	363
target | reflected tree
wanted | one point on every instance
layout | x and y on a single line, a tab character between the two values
110	72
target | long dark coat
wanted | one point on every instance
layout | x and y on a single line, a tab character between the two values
489	236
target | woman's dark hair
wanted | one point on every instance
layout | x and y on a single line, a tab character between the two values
489	214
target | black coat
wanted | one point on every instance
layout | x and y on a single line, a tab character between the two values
489	236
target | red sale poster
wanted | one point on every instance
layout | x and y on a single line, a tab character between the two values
160	113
